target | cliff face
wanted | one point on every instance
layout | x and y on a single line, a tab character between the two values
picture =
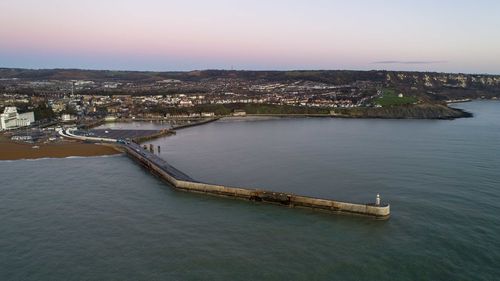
446	80
419	111
445	86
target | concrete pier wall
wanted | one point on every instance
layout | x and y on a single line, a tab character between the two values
287	199
194	124
280	198
154	168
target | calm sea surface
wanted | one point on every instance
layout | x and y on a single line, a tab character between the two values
106	218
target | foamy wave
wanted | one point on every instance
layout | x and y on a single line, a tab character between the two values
100	156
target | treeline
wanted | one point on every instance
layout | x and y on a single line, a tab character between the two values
227	109
43	112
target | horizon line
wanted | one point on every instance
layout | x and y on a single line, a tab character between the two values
243	70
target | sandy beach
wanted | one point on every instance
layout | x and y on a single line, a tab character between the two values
16	151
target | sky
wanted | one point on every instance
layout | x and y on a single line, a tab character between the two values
162	35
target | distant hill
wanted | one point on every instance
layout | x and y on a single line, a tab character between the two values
79	74
433	85
329	76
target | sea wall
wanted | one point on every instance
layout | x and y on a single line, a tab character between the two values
280	198
193	124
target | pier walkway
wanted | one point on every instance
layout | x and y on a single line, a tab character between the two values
149	159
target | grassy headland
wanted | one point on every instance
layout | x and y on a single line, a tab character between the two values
406	110
391	98
410	111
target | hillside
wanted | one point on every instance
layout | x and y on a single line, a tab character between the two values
430	85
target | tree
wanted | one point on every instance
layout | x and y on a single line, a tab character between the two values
70	109
44	112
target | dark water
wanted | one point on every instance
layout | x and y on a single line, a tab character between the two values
108	219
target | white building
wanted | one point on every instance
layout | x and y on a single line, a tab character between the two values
239	112
207	114
185	103
68	117
10	119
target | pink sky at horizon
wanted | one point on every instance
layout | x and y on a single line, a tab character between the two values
297	34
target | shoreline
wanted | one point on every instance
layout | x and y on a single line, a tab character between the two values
55	158
10	150
19	151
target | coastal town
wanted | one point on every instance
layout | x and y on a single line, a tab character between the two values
120	99
35	104
53	104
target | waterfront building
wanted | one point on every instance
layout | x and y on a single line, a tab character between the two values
11	119
239	112
207	114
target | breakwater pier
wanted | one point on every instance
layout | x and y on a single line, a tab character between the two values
183	182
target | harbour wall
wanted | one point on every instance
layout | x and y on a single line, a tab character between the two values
193	124
184	183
